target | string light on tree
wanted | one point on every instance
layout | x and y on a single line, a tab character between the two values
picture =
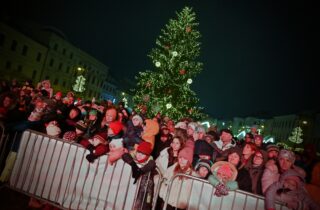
158	64
174	54
189	81
168	105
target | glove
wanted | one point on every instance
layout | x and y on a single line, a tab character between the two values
221	190
90	147
91	157
127	158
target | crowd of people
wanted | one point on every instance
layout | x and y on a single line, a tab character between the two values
173	147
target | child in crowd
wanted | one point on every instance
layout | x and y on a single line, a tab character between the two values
116	150
141	164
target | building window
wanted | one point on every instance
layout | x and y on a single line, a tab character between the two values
71	55
68	69
34	74
2	39
55	81
24	50
51	62
55	47
60	66
14	45
64	84
8	65
64	51
19	68
39	56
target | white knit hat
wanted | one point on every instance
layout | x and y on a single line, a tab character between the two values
117	143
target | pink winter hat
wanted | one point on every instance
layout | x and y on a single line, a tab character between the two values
186	153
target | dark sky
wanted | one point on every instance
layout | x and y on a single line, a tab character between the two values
258	56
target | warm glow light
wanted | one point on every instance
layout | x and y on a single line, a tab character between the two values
79	68
304	122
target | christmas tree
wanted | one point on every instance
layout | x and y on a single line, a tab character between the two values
167	88
296	136
80	83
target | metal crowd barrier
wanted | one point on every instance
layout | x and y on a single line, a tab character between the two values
201	196
57	171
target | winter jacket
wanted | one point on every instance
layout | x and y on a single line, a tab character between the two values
296	199
180	190
151	129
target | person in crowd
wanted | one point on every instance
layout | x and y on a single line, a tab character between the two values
72	118
133	134
222	146
27	87
272	151
97	146
243	177
125	113
111	115
290	190
141	164
247	154
53	129
181	125
254	130
191	130
256	170
313	187
93	121
273	169
247	139
203	168
163	140
202	151
46	85
116	150
150	130
181	186
258	141
223	178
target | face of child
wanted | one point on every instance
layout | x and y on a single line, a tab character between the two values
140	156
223	176
234	159
290	184
175	144
92	117
73	114
183	162
203	171
135	122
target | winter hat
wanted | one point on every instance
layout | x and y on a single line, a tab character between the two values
193	125
69	136
202	147
186	153
145	148
116	127
138	117
81	125
117	143
53	129
200	129
225	168
59	93
102	136
182	125
272	147
205	163
287	154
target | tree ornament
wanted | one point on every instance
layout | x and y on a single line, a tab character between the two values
182	71
189	81
158	64
174	54
168	105
146	98
188	29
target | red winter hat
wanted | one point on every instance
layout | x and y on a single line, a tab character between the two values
116	127
145	148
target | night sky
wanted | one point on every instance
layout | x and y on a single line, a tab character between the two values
258	56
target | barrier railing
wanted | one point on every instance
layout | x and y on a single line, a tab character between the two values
57	171
201	196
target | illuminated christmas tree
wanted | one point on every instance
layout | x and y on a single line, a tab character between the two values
166	89
80	83
296	136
